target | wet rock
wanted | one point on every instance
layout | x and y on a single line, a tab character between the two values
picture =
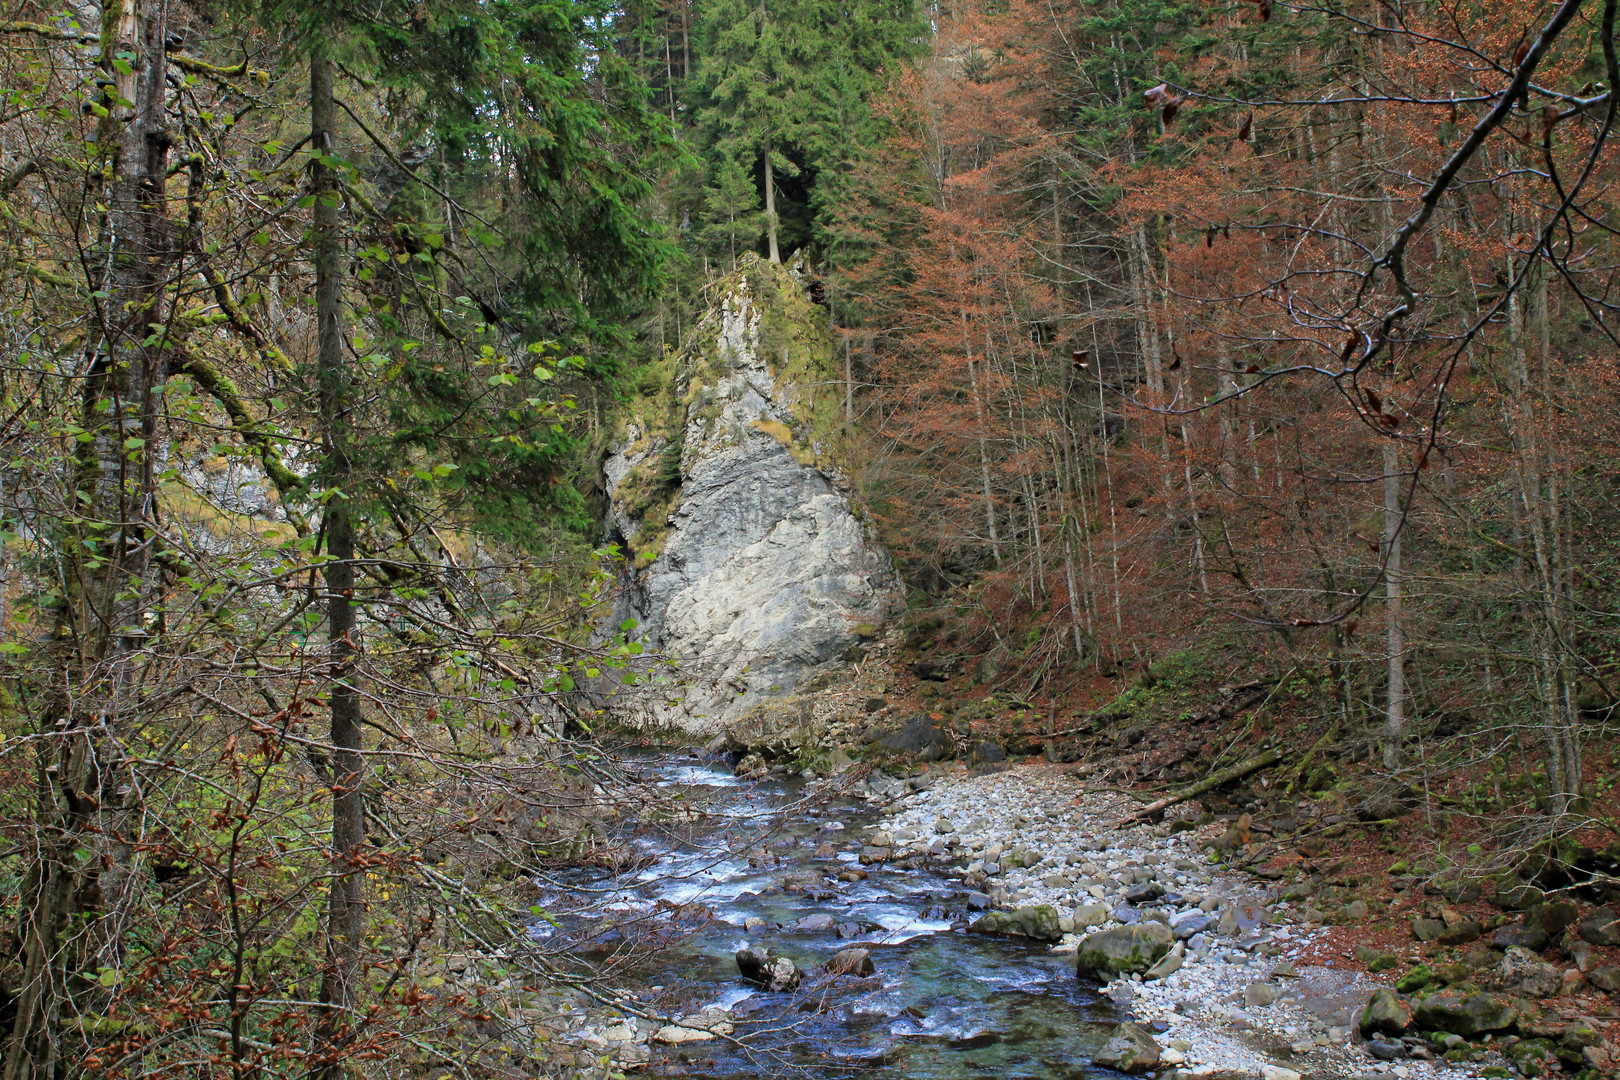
1524	973
978	901
1464	1014
753	924
870	855
1131	1050
1385	1014
816	923
856	962
1601	926
825	851
776	973
1123	950
1517	936
1039	921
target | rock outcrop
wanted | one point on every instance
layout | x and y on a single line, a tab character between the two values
746	560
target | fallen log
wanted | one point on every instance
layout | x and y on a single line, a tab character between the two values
1260	761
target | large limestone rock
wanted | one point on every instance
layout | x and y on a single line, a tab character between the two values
748	563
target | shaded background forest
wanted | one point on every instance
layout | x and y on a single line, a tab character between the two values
1183	344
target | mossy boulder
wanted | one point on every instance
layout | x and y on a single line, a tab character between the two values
1039	921
1123	950
1465	1014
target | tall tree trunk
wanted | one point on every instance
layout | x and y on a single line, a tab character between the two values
80	853
770	204
346	901
1395	703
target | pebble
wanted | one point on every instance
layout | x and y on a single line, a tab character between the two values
1233	934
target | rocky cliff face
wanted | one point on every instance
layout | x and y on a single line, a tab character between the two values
747	562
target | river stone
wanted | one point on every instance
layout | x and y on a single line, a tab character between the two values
1515	895
676	1034
1385	1014
1184	924
857	962
1514	936
1461	933
987	753
1259	994
1131	1050
1553	917
1464	1014
1123	950
1165	968
1124	913
1385	1049
773	972
919	738
1141	894
1601	926
1087	916
815	923
1039	921
1524	973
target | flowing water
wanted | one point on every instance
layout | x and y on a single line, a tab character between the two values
944	1003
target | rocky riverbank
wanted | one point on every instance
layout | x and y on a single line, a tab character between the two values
1222	972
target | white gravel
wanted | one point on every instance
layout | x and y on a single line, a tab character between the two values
1077	857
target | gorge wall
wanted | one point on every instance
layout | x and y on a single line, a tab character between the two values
746	559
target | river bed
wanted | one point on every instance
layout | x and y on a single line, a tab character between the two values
943	1003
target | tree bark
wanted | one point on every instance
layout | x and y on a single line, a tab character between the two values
346	900
1395	644
79	815
770	205
1209	783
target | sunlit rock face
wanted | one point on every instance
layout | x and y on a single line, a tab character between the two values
747	561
